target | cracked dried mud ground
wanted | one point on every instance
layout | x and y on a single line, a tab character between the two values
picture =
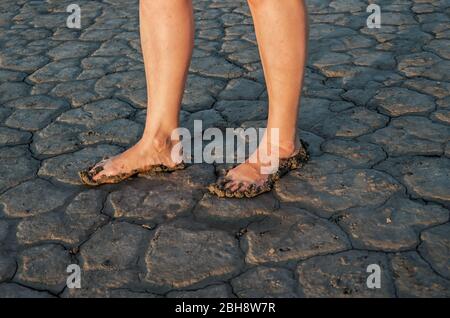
375	111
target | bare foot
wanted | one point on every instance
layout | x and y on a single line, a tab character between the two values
251	173
144	154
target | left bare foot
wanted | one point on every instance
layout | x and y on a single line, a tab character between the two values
252	177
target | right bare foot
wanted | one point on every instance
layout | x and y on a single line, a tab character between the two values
142	156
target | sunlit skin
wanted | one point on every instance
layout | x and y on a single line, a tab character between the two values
167	37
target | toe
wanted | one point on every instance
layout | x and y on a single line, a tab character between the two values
243	187
97	167
228	184
86	177
233	189
97	176
221	183
234	186
102	169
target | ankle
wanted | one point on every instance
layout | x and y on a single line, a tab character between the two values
160	141
286	149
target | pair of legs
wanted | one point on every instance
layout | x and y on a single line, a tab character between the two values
167	36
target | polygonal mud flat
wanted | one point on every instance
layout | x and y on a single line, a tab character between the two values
376	59
213	291
411	135
200	92
122	81
23	63
160	196
291	234
16	166
120	131
38	102
326	59
325	31
9	290
30	119
242	89
394	226
11	91
44	267
72	49
349	66
7	266
151	202
97	113
362	155
78	93
265	282
415	278
4	229
56	139
440	47
115	247
238	111
313	111
9	136
245	56
237	212
326	194
33	197
424	64
81	218
65	168
213	66
344	275
441	116
350	123
435	248
109	283
425	177
323	165
434	88
395	101
4	113
313	141
178	258
106	293
64	70
209	118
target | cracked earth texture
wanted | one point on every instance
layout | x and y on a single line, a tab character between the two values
375	111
